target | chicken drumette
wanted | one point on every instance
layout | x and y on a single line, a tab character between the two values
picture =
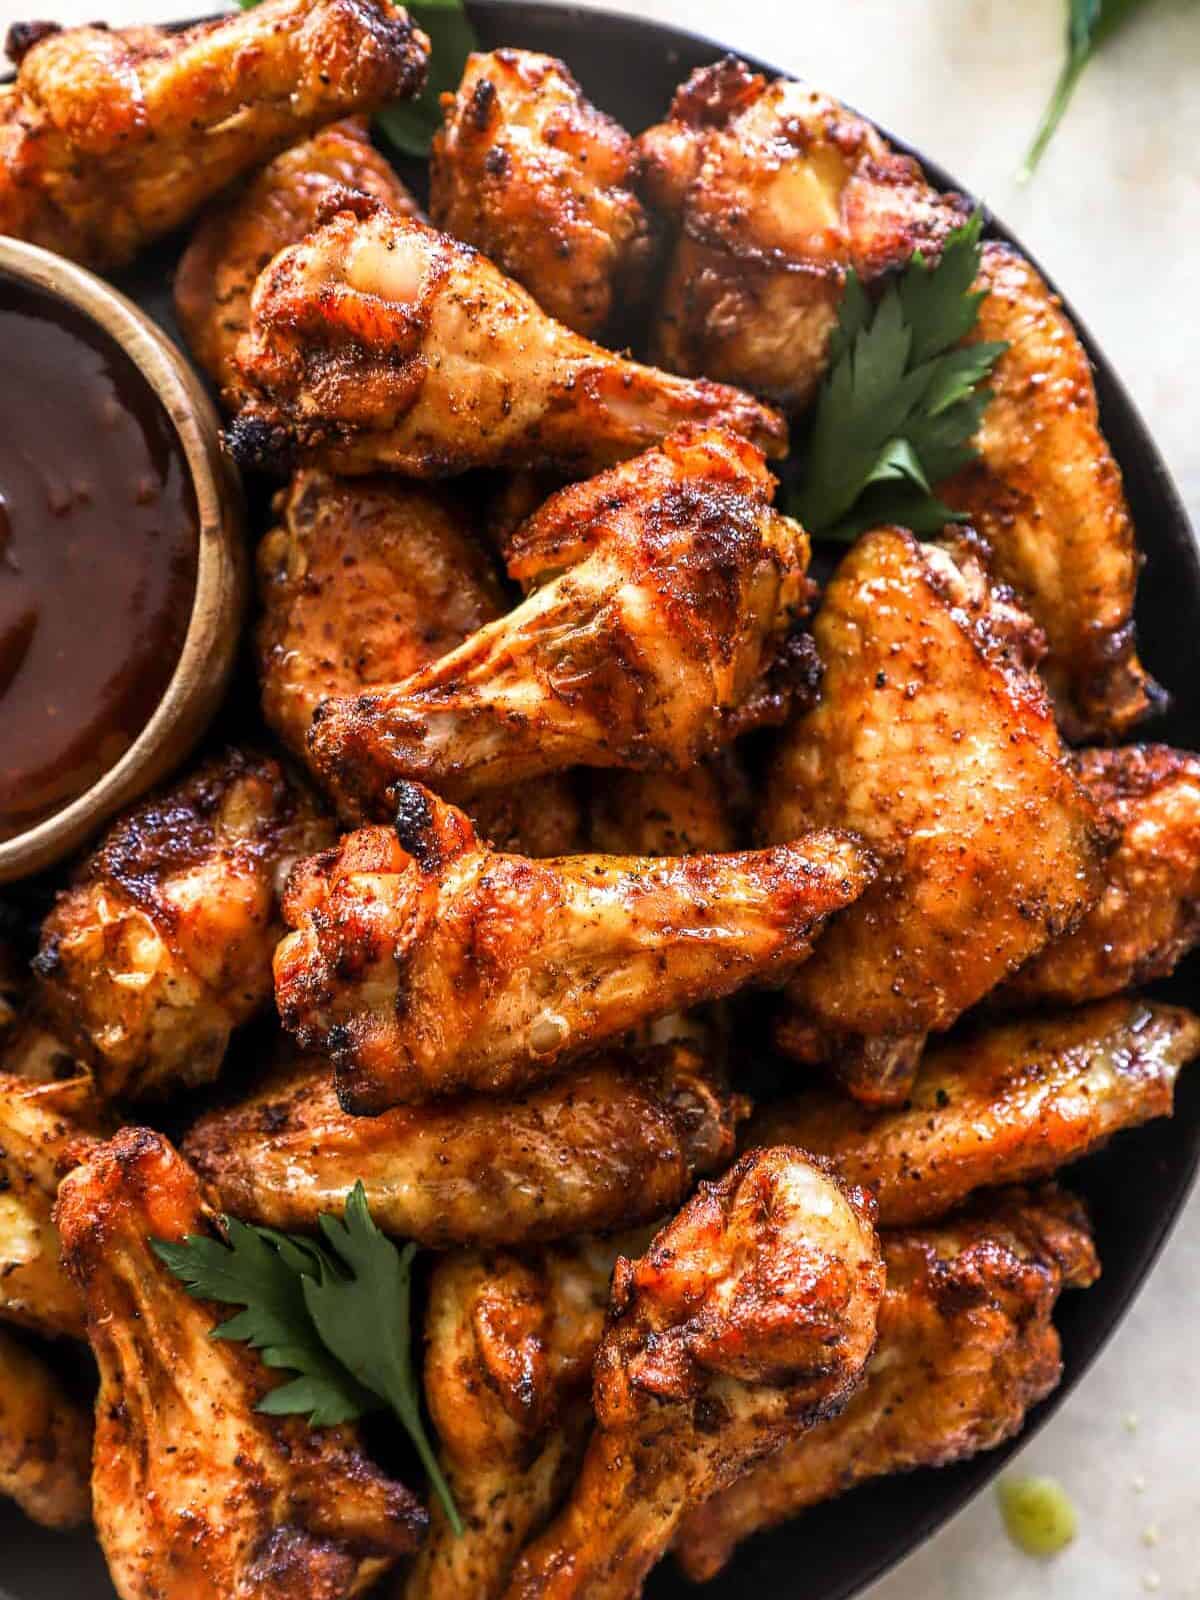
111	138
528	171
380	343
45	1440
189	1478
933	739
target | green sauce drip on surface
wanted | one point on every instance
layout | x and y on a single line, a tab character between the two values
1038	1515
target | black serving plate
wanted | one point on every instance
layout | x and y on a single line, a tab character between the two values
1135	1189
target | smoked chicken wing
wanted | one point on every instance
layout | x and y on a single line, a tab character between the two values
934	740
110	138
381	344
163	946
966	1348
528	171
661	625
750	1317
196	1492
424	963
45	1440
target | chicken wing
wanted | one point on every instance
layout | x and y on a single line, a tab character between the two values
164	945
44	1129
189	1478
934	740
661	813
750	1318
380	343
112	138
966	1348
236	239
528	171
424	963
1148	914
660	627
45	1440
1002	1104
363	582
623	1139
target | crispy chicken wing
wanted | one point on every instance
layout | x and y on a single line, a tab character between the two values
164	945
380	343
45	1440
190	1479
623	1139
966	1348
111	138
236	239
660	627
424	963
528	171
365	581
935	741
750	1317
1148	914
1002	1104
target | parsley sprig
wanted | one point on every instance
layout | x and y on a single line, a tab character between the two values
902	400
336	1313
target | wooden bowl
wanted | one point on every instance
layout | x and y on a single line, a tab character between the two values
210	644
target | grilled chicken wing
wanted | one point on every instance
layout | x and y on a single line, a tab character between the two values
750	1317
934	740
1148	914
236	239
660	628
190	1479
380	343
1002	1104
363	582
164	945
45	1440
528	171
44	1129
424	963
966	1348
110	139
623	1139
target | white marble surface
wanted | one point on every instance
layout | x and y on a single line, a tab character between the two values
1115	215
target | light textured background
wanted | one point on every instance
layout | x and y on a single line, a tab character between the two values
1114	214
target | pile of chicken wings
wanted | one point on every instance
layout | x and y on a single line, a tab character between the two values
576	803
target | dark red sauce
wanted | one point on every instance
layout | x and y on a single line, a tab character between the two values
98	551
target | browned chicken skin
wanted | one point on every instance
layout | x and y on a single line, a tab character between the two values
750	1317
236	239
111	138
164	945
189	1478
45	1440
1148	914
661	813
667	592
528	171
623	1139
934	740
381	344
1002	1104
966	1347
505	966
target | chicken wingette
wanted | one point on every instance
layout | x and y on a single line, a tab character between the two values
623	1139
934	740
1003	1103
192	1485
110	138
749	1318
424	963
528	171
163	946
966	1348
661	625
45	1440
381	344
